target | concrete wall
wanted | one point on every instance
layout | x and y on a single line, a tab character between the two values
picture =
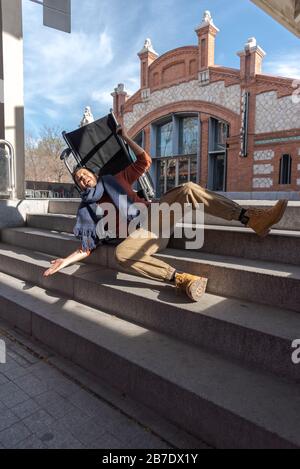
11	66
13	212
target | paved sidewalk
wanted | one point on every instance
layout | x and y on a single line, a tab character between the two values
40	407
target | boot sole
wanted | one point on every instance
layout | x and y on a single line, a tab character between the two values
267	230
197	289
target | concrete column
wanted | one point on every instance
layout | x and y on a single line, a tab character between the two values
11	70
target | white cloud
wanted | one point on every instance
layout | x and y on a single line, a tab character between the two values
102	97
52	113
287	65
57	66
64	73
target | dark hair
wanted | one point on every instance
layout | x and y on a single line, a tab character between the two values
78	168
76	171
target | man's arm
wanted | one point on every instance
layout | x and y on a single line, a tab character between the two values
60	264
143	162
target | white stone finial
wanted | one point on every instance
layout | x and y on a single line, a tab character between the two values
251	43
87	118
120	88
148	47
206	21
207	18
252	46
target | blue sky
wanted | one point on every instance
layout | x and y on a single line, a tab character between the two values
64	73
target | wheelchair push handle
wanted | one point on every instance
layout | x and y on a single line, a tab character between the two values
65	154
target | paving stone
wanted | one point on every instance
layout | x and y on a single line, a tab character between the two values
2	406
21	352
9	365
57	436
88	433
106	441
121	427
11	395
38	422
62	386
3	378
15	372
185	441
69	443
54	404
31	385
25	409
88	403
147	441
8	388
75	419
18	358
43	371
41	408
10	437
7	418
32	442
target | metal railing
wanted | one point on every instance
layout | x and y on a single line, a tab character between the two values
10	155
46	194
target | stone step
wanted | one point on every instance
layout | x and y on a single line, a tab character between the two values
290	221
262	282
269	283
279	246
65	207
52	222
258	335
50	242
221	402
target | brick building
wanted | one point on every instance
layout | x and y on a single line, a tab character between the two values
227	129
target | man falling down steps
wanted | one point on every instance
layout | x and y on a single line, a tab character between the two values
135	253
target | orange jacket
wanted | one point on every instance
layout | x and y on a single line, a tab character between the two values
128	177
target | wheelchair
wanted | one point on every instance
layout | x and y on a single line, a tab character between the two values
98	148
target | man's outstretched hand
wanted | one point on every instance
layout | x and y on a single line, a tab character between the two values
56	266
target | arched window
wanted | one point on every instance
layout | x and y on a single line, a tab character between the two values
140	139
285	174
165	140
217	157
175	150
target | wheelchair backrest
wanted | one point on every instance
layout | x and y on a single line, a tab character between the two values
97	147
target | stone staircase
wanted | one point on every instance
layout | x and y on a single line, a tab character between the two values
220	369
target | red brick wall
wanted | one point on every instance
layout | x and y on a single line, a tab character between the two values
181	66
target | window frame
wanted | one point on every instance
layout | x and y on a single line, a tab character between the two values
215	149
289	170
175	118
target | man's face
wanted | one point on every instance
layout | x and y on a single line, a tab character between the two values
85	179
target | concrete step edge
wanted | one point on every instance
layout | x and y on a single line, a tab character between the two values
212	386
217	323
227	262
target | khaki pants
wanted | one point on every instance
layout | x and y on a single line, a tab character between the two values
135	254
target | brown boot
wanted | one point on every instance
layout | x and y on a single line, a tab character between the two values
193	286
261	220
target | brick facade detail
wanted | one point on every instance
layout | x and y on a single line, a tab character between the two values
186	80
